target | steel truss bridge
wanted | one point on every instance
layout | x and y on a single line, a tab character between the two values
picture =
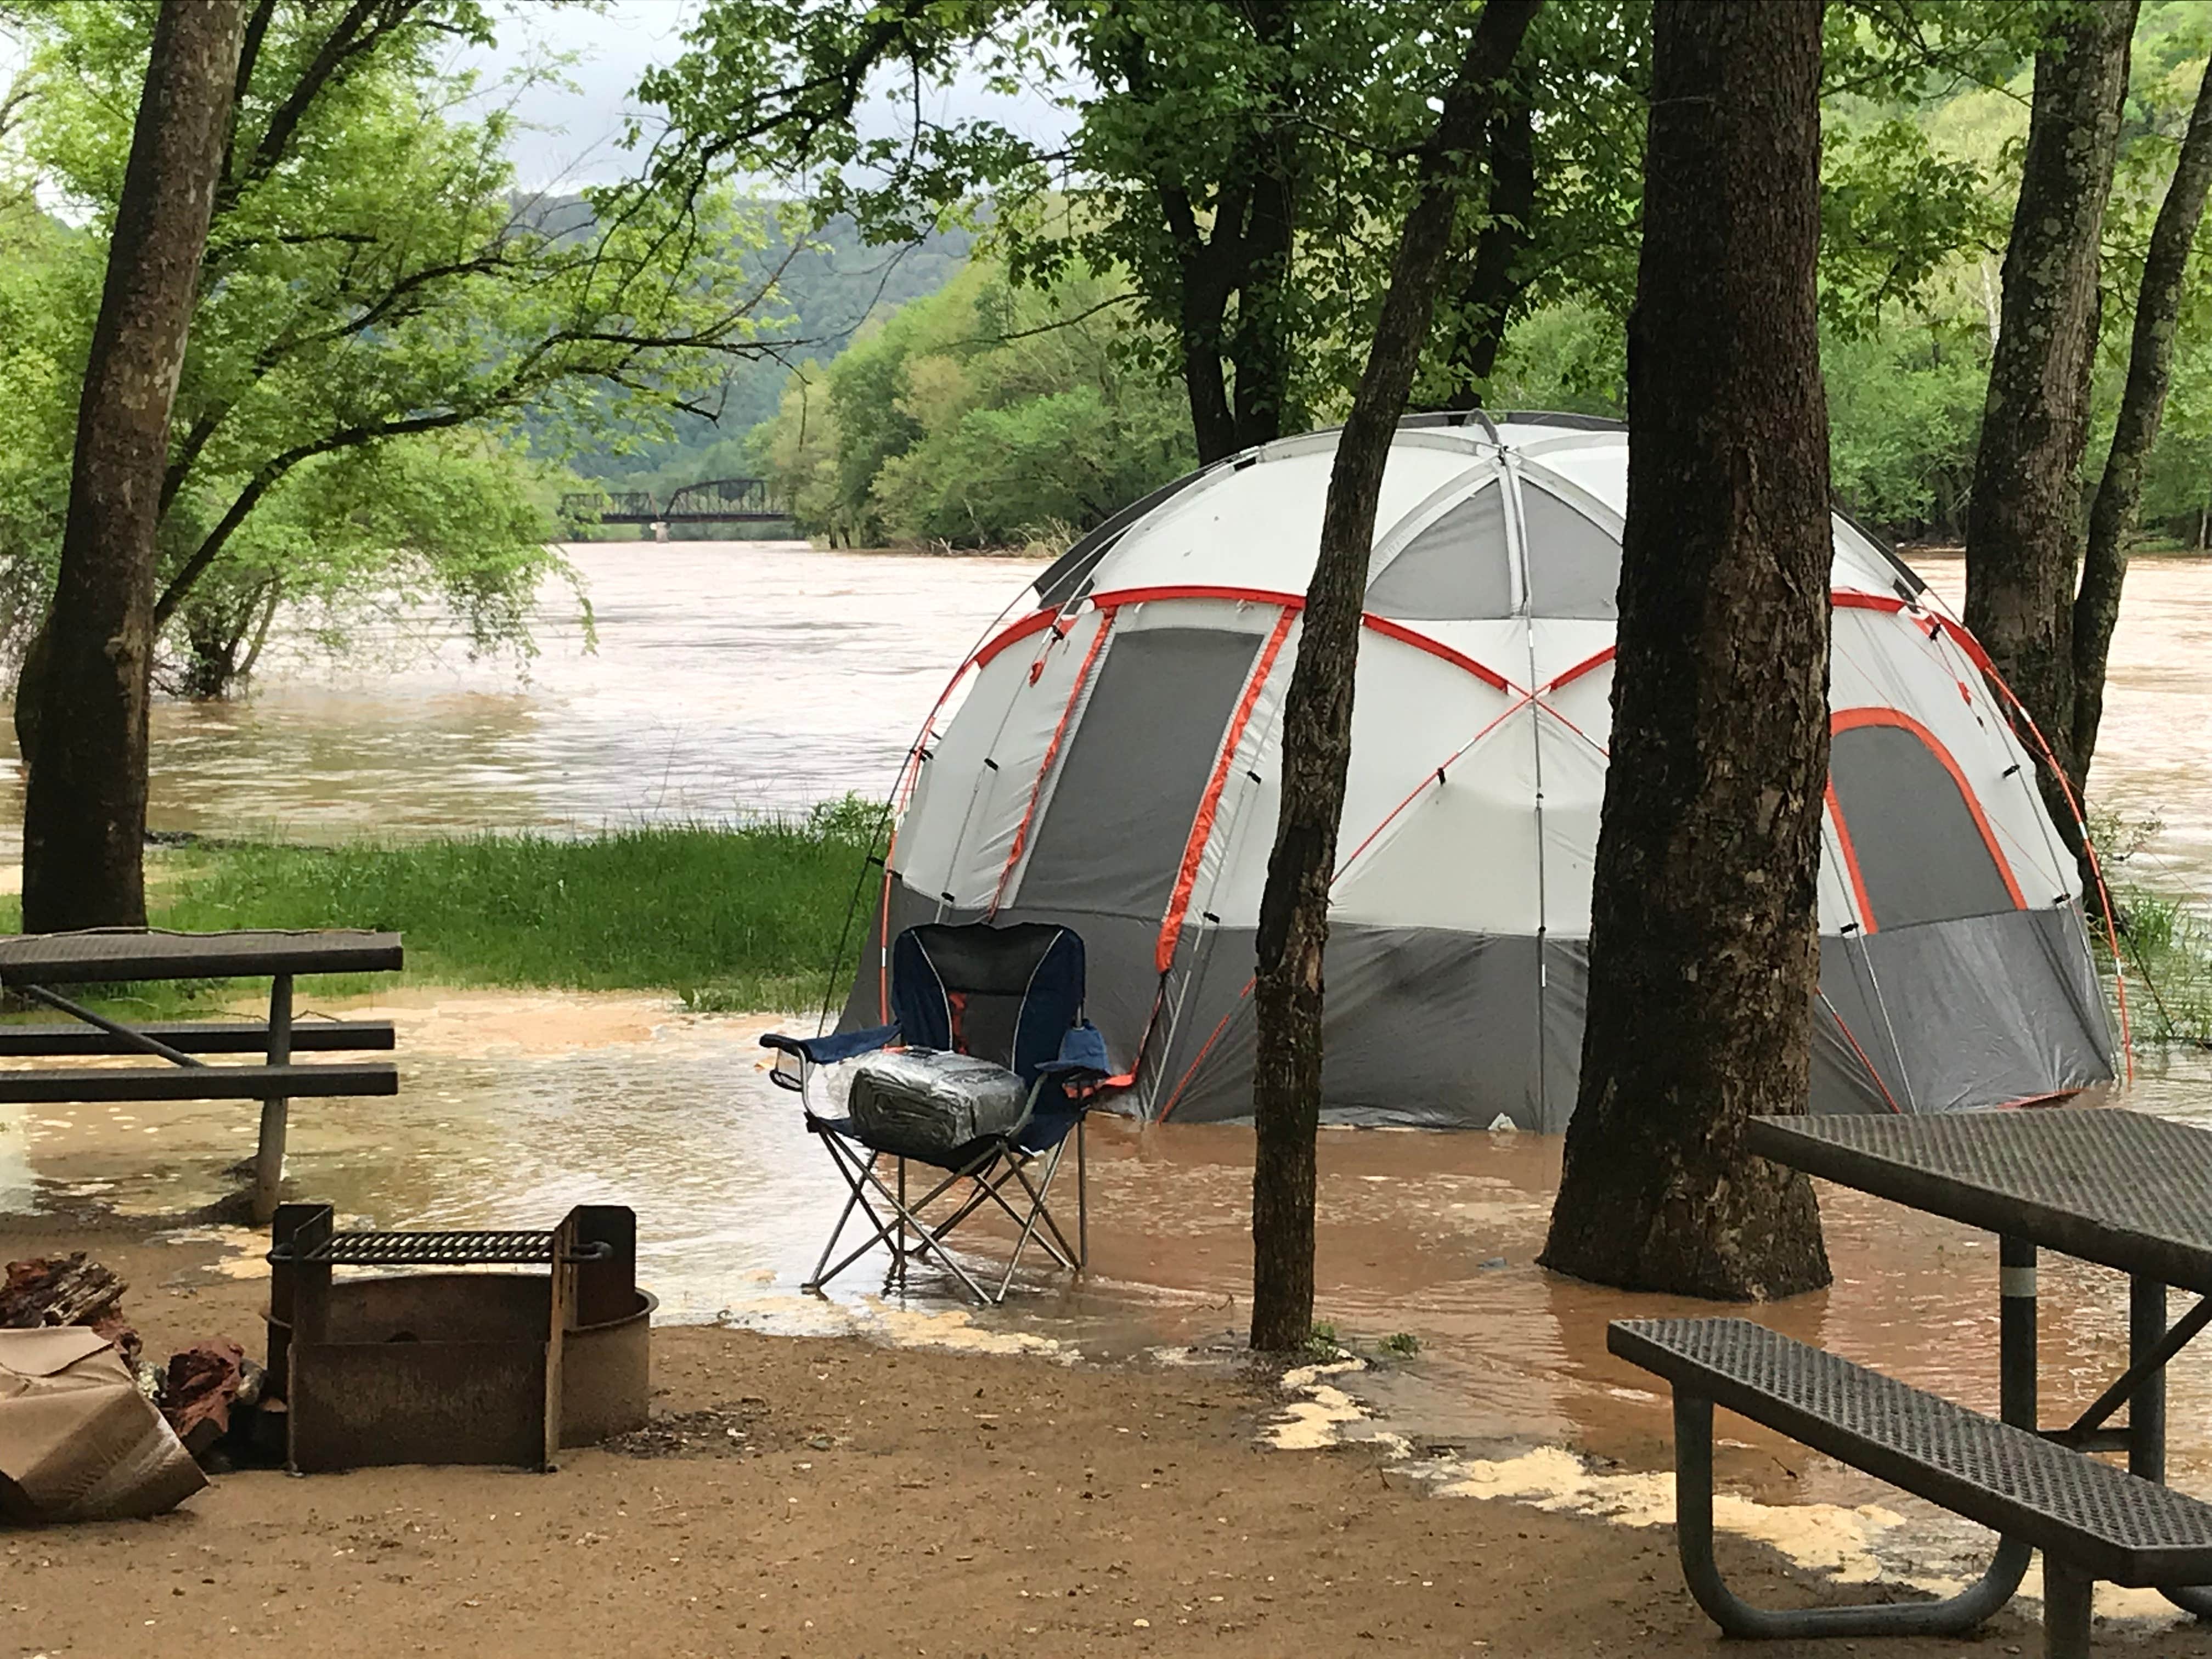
717	501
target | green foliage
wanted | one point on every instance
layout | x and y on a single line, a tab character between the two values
1404	1344
2165	945
1322	1343
1570	356
2164	940
983	416
1905	409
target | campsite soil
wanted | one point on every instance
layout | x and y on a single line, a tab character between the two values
873	1501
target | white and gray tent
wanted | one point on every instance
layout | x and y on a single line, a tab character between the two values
1109	760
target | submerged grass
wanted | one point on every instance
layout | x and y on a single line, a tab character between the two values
728	919
2165	939
2166	948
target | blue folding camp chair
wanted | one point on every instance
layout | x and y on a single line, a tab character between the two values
1012	996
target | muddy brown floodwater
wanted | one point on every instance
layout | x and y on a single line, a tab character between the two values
737	676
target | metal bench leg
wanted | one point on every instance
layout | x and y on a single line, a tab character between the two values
2147	1333
2067	1593
269	1152
1693	1530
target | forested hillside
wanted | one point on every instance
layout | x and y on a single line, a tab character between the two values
822	292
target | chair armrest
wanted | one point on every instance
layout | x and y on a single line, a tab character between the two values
836	1046
1083	1050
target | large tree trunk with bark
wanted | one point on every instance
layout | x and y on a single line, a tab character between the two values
84	814
1317	710
2024	521
1705	950
2142	405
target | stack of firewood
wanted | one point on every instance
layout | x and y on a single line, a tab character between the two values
201	1391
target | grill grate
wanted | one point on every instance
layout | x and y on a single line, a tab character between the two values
435	1250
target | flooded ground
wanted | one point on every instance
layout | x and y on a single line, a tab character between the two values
733	678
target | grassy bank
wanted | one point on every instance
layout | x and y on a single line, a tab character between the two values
725	918
2164	936
2166	947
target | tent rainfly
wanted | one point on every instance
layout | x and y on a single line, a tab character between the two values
1112	764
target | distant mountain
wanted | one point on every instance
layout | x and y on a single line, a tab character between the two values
830	287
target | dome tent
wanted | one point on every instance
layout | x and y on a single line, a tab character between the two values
1112	764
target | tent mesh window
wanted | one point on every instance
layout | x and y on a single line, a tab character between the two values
1574	562
1920	851
1128	791
1457	567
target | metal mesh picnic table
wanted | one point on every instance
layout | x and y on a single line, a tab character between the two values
2105	1184
110	954
33	964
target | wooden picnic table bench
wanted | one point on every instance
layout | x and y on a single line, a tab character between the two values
32	964
2105	1184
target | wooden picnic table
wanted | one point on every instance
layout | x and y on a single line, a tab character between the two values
33	965
2105	1184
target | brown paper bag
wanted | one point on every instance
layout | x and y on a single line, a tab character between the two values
78	1442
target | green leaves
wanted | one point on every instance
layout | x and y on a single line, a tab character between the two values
985	415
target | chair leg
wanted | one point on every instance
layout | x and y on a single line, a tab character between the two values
898	1243
1693	1535
1028	1226
926	1243
906	1231
859	1175
1051	1239
817	1278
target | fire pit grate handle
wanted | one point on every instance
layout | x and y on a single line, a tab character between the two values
440	1249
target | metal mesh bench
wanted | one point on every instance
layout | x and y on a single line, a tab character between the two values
2091	1520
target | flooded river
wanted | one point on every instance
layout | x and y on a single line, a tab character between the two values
726	678
732	678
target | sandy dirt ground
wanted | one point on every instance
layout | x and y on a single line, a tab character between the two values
829	1497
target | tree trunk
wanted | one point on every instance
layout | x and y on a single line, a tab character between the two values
1704	950
1203	309
1317	711
1494	284
2024	520
84	814
1260	348
2142	404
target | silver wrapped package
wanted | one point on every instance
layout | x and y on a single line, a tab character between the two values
925	1102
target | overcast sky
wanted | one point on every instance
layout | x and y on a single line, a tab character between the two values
576	133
